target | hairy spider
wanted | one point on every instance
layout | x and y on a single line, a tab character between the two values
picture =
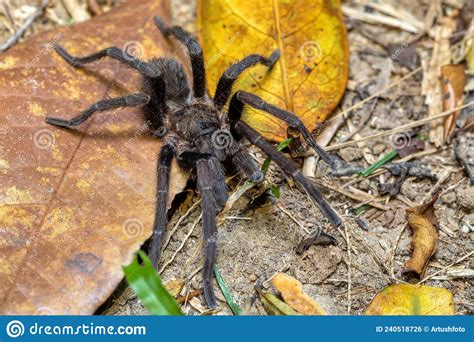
197	132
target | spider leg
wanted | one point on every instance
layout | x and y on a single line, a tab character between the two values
112	52
242	98
224	86
243	161
209	228
290	169
161	218
103	105
195	53
218	185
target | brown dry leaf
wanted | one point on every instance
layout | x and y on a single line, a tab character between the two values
75	205
407	299
174	286
422	221
292	292
310	77
431	87
453	81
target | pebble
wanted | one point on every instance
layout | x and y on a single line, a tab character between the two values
252	277
465	229
466	197
449	198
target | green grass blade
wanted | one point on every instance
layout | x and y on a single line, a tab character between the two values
378	164
282	145
225	291
146	283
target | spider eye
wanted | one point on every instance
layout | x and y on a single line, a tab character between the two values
204	125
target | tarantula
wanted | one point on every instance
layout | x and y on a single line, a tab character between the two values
198	133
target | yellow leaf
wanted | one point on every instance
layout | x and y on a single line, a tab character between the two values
175	286
407	299
309	78
292	292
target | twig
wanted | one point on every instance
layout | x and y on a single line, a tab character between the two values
445	175
452	187
182	244
349	270
398	129
13	39
382	171
445	268
362	197
376	18
394	250
378	93
362	122
94	7
280	206
178	223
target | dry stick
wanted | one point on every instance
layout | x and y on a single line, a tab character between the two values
361	103
178	223
182	244
378	93
349	270
375	257
368	197
445	175
394	250
382	171
13	39
399	129
445	268
452	187
362	122
280	206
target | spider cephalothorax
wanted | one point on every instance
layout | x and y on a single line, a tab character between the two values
197	132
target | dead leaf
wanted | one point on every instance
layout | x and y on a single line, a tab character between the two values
422	221
453	81
310	77
75	205
175	286
292	292
407	299
431	87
